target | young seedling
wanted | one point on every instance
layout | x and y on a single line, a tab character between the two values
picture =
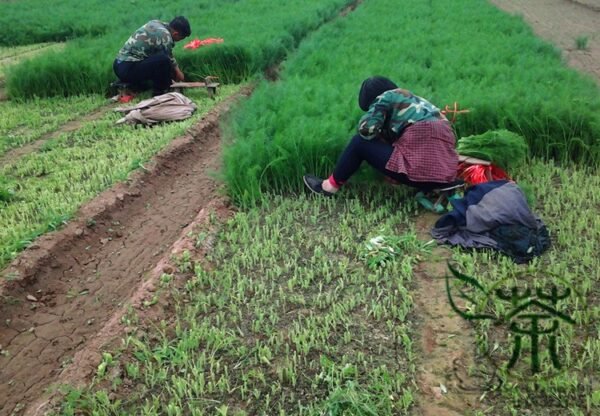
581	42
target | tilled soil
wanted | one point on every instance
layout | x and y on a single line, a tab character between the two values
62	290
561	22
446	344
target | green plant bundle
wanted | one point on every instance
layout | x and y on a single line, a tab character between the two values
86	63
33	21
301	123
230	63
502	147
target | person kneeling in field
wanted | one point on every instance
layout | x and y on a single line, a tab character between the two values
403	136
148	55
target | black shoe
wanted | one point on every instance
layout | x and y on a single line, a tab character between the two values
315	185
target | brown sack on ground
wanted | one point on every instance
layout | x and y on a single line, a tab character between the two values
171	106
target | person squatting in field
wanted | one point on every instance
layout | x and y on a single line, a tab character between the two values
148	55
401	135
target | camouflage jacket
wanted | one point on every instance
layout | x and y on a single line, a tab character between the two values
151	39
393	111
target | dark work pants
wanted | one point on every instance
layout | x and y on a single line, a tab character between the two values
156	69
375	153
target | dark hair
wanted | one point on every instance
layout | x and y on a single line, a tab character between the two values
181	25
371	88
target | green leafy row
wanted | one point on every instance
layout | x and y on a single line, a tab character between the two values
85	65
462	51
33	21
25	122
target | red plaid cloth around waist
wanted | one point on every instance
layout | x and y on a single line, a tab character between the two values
425	152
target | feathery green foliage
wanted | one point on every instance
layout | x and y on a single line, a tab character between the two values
34	21
232	63
73	71
265	331
249	44
301	123
504	148
11	55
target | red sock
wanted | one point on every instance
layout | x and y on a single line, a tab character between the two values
334	183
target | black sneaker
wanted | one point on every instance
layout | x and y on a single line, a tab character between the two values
314	183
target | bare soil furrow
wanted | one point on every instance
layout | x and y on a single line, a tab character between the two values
562	22
63	289
590	4
446	341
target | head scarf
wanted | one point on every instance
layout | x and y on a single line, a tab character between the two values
371	88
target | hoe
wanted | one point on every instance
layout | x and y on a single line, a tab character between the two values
124	92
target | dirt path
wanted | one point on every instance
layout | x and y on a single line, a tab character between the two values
561	22
446	341
63	289
148	299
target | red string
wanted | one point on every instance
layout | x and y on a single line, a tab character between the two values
196	43
475	174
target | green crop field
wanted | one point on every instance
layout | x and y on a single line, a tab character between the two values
85	65
294	310
288	321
